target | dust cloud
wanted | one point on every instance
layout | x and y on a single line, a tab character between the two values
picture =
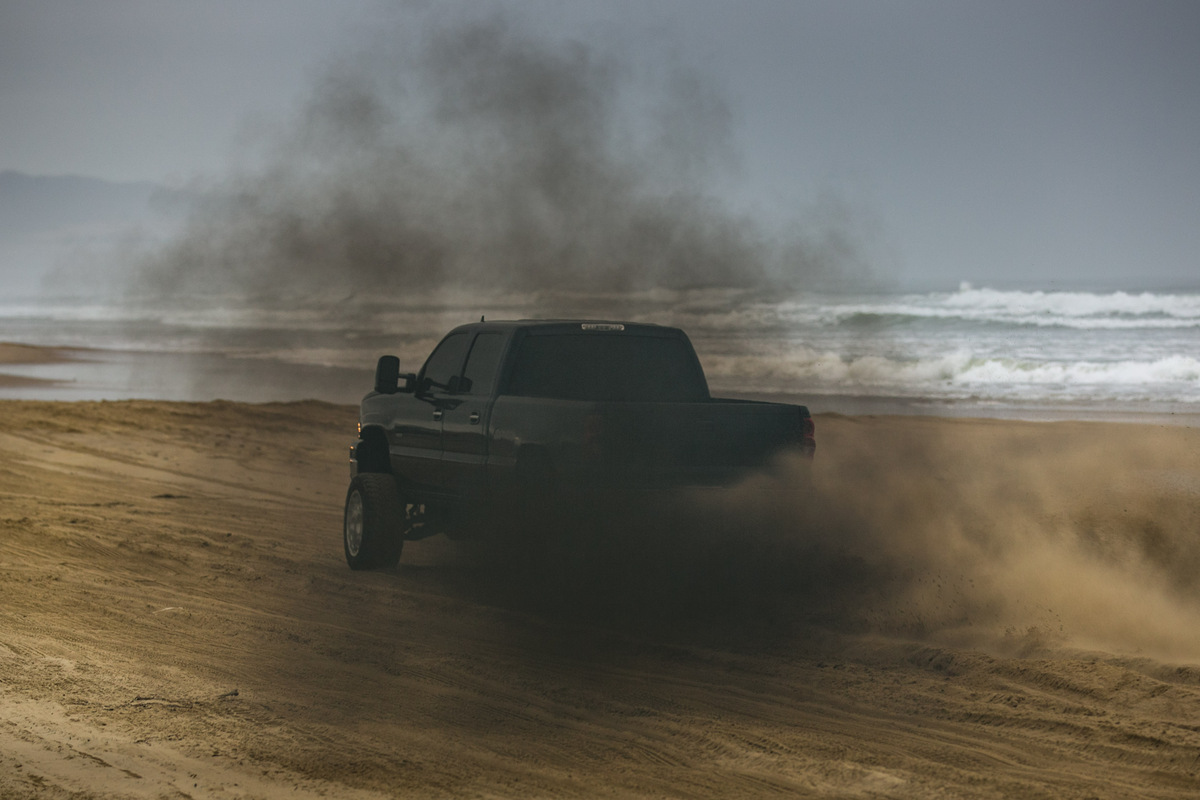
1021	538
482	157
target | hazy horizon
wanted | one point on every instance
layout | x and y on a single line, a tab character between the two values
1032	145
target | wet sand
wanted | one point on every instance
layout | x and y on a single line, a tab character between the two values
958	608
25	354
13	353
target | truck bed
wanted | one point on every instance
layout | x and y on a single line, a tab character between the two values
642	445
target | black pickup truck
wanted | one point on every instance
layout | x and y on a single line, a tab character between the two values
526	415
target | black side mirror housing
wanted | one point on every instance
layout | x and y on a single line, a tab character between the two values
387	376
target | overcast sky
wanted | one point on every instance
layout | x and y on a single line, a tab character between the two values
1042	144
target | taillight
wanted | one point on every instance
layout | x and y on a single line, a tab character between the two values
809	432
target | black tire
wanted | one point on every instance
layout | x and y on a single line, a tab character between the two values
372	525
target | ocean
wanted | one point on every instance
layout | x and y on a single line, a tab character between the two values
972	351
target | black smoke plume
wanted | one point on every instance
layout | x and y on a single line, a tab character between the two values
485	158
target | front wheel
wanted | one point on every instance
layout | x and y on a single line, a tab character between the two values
372	525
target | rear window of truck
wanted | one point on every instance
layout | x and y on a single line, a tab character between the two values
602	367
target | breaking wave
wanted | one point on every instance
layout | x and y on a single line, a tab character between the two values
981	345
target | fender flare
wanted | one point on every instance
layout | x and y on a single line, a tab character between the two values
371	450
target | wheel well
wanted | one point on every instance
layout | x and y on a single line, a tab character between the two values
372	454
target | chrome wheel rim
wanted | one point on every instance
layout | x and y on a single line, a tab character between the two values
354	523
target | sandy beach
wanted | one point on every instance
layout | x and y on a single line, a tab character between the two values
962	608
961	235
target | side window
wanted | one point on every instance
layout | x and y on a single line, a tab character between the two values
447	360
483	364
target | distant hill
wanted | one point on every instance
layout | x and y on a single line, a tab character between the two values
50	222
32	203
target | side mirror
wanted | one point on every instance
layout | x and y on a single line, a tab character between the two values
387	375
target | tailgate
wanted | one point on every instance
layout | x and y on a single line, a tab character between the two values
695	443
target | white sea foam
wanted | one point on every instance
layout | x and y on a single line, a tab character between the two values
974	343
960	374
1041	309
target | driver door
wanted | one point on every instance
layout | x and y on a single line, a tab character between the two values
417	440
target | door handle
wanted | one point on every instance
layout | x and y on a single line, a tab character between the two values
437	414
474	419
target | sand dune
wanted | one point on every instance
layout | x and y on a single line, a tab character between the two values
946	608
